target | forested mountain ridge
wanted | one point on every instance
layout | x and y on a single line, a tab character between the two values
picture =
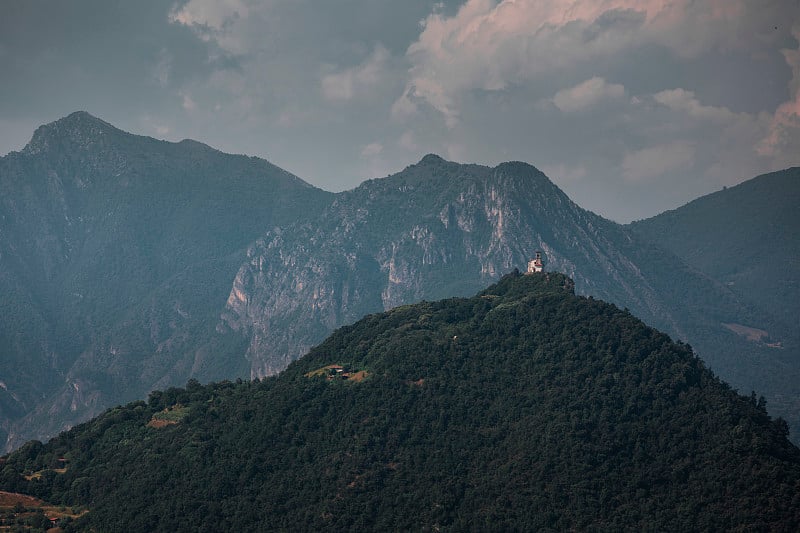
128	263
523	407
745	237
116	252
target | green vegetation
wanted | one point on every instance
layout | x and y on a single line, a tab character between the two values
169	416
744	238
338	372
523	408
118	254
25	513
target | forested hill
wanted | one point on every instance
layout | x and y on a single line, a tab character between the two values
746	238
116	255
522	408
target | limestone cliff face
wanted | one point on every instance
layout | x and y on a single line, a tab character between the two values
436	229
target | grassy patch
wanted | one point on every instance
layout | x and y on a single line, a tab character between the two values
37	475
338	372
358	377
17	509
324	371
168	417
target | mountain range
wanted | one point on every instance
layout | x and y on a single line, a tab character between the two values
524	407
129	264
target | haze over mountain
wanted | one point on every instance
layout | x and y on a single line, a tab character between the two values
745	237
523	407
130	264
117	252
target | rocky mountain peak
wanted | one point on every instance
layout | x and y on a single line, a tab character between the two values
79	130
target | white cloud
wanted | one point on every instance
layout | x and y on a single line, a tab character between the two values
685	101
187	103
404	107
155	126
408	142
213	14
161	70
348	83
565	172
587	94
738	144
223	21
456	151
494	80
782	143
491	46
654	161
372	149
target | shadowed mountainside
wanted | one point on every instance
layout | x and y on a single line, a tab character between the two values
523	407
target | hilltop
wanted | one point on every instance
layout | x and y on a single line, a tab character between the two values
522	407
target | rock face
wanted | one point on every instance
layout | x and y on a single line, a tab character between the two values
128	264
436	229
440	229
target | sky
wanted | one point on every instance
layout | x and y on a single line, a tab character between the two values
632	107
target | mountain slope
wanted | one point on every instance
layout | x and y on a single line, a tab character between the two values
116	254
436	229
128	264
440	229
745	237
524	407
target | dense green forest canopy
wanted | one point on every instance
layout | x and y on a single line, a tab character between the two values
522	408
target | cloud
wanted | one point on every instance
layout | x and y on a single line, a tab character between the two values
212	14
587	94
494	46
162	68
565	172
685	101
632	106
372	149
187	103
408	142
655	161
348	83
782	143
218	20
155	126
